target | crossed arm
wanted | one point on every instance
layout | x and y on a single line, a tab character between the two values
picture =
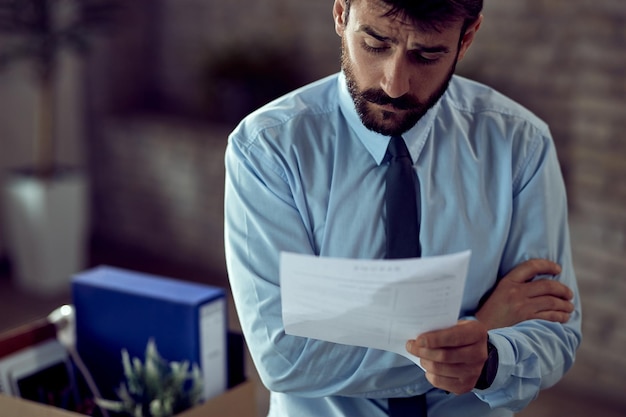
453	358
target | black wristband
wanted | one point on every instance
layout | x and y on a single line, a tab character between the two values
490	368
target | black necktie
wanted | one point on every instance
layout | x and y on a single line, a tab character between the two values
402	228
402	218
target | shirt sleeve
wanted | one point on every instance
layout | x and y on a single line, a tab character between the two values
263	218
535	354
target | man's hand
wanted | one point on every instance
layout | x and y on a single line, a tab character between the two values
454	357
516	298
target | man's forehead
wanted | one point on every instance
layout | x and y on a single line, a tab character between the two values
374	14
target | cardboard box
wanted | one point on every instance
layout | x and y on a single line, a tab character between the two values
40	336
236	402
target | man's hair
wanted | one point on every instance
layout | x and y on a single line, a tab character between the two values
432	14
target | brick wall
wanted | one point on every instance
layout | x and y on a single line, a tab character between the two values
159	190
564	59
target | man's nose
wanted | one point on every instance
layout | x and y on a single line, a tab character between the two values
396	80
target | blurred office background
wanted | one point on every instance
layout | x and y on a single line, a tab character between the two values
148	112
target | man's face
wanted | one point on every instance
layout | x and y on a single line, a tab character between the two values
395	71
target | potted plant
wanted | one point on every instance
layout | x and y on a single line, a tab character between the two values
45	203
156	388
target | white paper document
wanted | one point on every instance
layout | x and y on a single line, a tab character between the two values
371	303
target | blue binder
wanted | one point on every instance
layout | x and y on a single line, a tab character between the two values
120	309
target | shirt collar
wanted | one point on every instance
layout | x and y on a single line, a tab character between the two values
376	143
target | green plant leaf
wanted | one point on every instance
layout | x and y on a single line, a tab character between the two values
156	386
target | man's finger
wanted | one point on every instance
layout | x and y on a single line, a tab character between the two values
464	333
472	354
548	303
451	370
546	287
554	316
454	385
530	269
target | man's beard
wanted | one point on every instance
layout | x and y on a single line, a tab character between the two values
392	123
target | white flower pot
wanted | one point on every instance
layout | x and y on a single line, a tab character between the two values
46	223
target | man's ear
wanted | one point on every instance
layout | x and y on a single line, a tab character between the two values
469	35
339	16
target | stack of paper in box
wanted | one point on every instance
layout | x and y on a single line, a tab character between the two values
119	309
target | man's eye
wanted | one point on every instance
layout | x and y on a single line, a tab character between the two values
375	49
427	58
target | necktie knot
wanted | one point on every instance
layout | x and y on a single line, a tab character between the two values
397	148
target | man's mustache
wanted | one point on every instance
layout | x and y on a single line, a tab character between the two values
379	97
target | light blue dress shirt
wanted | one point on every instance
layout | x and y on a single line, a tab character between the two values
304	175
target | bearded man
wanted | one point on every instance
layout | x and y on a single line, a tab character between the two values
307	174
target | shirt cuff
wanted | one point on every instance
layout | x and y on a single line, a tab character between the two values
506	362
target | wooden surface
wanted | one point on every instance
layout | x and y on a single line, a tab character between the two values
237	402
17	407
